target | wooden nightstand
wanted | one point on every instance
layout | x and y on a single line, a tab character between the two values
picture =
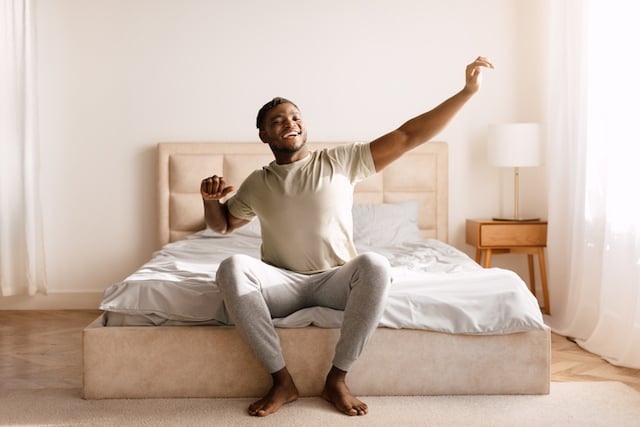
498	237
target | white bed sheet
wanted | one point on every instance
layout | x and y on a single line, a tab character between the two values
435	287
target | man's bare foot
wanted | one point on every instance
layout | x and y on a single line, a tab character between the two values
336	392
282	392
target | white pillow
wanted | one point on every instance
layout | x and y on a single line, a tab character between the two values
386	224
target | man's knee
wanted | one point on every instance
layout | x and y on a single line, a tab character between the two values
376	266
230	264
374	262
230	270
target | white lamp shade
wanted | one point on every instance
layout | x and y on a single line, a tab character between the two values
514	145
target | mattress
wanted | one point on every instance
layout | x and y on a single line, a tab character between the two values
434	287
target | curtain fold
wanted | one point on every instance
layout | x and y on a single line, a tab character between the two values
22	263
593	150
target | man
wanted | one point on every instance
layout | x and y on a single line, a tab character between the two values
303	201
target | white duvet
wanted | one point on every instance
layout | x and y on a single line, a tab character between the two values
435	287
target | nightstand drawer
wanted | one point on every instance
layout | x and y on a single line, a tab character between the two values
512	234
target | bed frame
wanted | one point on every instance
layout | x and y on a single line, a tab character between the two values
210	361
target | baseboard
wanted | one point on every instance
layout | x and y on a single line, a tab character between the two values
56	300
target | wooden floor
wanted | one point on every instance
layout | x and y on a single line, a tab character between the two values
43	349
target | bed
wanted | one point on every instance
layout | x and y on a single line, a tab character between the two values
164	330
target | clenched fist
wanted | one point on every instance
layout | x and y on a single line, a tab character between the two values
214	188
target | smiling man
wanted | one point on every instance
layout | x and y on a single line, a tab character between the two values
303	201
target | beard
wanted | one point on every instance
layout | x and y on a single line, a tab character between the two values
288	149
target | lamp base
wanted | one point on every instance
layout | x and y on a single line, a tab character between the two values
516	219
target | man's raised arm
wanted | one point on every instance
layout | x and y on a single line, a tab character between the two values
422	128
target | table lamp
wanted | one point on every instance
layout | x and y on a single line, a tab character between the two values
514	145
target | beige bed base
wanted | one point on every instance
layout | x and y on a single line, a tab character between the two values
209	361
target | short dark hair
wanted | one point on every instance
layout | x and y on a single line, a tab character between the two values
268	106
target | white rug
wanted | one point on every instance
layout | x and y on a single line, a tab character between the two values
609	404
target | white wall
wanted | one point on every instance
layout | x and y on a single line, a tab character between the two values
118	76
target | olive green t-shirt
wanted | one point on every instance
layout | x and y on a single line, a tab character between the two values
304	207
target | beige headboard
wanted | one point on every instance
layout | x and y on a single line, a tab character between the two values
419	175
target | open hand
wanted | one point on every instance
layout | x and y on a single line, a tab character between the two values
474	73
214	188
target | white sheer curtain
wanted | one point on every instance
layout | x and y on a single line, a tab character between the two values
22	268
593	155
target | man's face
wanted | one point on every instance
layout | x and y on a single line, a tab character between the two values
284	130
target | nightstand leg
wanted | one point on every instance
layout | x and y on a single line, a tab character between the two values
543	279
487	258
532	275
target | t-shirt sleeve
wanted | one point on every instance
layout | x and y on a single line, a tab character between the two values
355	160
239	207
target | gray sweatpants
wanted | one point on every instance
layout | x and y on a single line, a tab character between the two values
255	292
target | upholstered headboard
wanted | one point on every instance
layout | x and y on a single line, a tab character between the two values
419	175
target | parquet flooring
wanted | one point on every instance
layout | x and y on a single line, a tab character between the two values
43	349
569	362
